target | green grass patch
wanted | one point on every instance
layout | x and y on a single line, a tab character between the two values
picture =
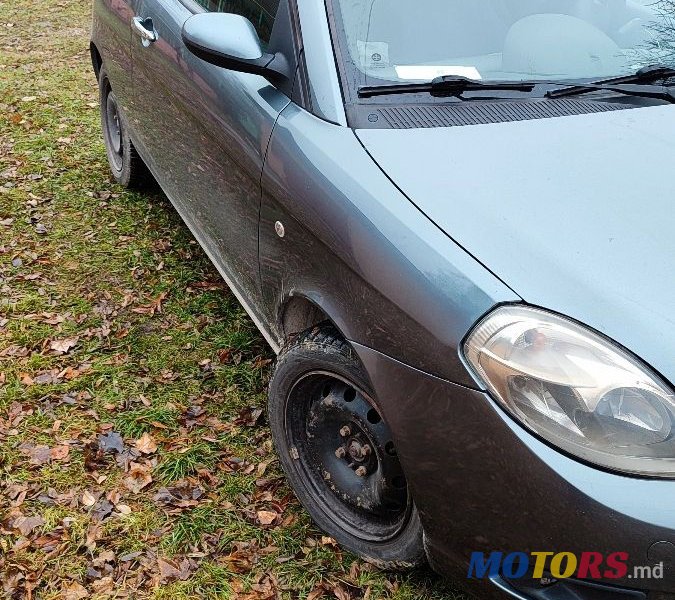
179	464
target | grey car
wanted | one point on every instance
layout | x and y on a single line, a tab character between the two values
453	222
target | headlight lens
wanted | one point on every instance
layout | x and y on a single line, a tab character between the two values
576	389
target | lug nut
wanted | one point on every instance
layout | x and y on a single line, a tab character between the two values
361	471
365	451
340	452
345	431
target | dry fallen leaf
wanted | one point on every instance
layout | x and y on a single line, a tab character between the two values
317	592
102	510
93	534
328	541
39	455
74	591
104	585
154	307
111	442
146	444
169	571
249	417
25	525
105	556
59	452
16	493
266	517
26	379
88	499
341	593
64	346
138	478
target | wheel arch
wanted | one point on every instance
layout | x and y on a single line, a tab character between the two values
299	312
96	59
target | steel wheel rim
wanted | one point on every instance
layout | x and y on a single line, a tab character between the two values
345	454
113	131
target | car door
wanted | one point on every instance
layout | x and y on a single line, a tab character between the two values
204	131
112	32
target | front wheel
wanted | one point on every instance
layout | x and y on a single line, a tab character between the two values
339	454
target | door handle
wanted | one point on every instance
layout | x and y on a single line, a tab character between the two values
145	29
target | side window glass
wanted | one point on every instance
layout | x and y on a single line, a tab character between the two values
261	13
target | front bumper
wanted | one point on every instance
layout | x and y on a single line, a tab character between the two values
482	483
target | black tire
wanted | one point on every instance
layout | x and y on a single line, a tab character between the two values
385	528
126	166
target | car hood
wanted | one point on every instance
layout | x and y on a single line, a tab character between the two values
575	214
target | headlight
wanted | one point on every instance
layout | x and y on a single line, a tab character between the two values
576	389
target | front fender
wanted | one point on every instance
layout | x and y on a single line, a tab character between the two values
361	251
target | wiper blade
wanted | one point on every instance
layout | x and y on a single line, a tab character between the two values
637	84
644	76
659	92
448	85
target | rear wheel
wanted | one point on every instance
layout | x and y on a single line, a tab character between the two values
338	452
127	167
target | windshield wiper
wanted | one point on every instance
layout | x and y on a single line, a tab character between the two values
448	85
637	84
659	92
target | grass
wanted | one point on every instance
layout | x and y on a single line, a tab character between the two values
180	464
192	525
134	423
80	258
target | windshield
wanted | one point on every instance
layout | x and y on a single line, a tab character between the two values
401	41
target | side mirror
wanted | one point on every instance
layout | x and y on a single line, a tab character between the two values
230	41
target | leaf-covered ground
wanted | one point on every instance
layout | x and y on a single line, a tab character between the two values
134	456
